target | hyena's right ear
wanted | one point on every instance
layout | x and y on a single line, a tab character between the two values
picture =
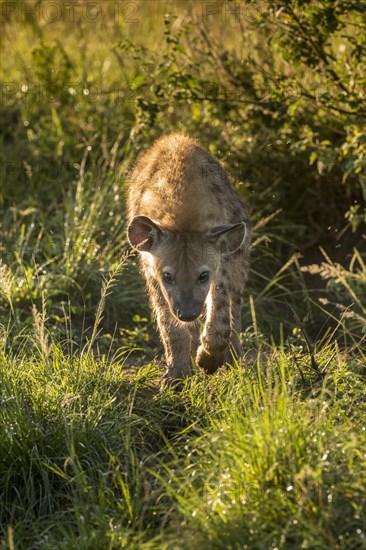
143	233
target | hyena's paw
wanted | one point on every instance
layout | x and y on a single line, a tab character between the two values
210	362
174	378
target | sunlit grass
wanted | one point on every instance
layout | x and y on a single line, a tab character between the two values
94	455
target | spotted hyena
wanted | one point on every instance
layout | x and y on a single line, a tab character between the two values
192	233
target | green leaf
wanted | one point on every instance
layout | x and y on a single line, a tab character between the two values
137	82
313	157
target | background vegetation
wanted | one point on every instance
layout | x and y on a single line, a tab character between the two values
92	454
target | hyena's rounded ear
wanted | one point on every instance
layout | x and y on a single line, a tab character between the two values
143	233
227	238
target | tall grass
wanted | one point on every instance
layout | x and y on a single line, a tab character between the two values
260	456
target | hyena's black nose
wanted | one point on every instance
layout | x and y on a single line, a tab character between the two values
186	315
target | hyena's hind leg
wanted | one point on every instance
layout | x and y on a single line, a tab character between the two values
175	337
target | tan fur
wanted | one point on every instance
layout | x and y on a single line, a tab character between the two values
189	223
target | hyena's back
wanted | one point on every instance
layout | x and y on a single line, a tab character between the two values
182	187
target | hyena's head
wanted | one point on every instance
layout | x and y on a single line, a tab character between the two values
184	264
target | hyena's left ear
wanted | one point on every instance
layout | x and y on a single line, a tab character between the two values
227	238
143	233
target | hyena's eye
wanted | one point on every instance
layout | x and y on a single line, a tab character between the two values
203	277
168	277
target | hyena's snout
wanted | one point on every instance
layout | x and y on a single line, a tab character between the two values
187	315
187	309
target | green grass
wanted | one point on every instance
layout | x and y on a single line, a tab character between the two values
262	456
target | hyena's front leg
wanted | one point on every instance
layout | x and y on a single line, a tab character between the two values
235	349
239	271
194	330
216	334
176	338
